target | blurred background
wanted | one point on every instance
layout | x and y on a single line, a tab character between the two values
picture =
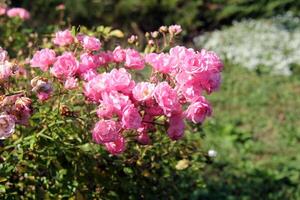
255	128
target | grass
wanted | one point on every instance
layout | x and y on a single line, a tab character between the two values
256	132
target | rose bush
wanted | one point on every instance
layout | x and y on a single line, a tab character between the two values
81	94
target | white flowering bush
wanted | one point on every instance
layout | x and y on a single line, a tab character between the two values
271	44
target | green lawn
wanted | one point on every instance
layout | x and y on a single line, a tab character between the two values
255	129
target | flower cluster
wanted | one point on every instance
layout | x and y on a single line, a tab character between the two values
173	92
15	12
14	109
253	43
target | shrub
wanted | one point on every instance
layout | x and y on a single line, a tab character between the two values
84	99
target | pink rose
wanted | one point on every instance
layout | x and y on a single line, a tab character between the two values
131	118
71	83
106	131
167	98
65	66
211	61
5	70
104	58
95	86
89	75
90	43
143	91
105	111
197	111
116	100
203	61
181	52
63	38
7	126
209	81
176	127
43	59
134	60
143	138
120	80
119	54
116	147
162	62
18	12
2	10
87	62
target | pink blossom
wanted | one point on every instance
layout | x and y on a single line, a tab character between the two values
147	123
60	7
89	75
134	60
105	111
202	62
167	98
162	62
117	101
211	61
131	119
65	66
143	91
209	81
104	58
71	83
18	12
154	110
143	138
95	86
120	80
43	96
5	70
2	10
119	54
87	62
176	127
182	53
91	43
63	38
106	131
3	55
43	59
197	111
175	29
116	147
7	126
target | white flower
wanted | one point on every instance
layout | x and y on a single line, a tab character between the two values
272	43
212	153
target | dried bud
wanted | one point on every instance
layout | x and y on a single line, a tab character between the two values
154	34
132	39
23	103
163	29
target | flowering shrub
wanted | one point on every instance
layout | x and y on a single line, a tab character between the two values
14	12
173	92
77	97
272	44
15	32
15	108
